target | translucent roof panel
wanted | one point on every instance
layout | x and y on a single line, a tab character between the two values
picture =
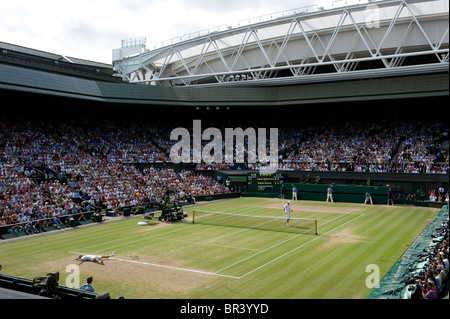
316	35
312	22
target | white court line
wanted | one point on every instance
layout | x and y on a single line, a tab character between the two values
236	232
135	235
163	238
217	272
169	267
271	219
271	261
206	244
176	268
278	244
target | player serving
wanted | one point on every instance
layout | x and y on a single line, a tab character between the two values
287	212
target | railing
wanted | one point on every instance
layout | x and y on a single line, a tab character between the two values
5	229
259	19
191	35
25	285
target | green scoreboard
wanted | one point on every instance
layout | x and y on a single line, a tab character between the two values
267	183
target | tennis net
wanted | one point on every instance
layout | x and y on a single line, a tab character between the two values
270	223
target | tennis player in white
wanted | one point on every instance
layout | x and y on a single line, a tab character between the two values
94	258
287	212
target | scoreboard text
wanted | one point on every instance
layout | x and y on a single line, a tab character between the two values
260	182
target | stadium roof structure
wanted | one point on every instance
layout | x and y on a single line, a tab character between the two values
22	79
371	39
52	62
315	57
5	47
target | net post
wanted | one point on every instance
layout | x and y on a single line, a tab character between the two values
193	216
315	225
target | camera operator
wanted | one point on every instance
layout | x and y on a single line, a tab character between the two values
428	290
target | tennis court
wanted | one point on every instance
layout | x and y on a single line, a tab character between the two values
234	240
201	260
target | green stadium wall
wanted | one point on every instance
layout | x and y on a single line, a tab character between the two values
341	193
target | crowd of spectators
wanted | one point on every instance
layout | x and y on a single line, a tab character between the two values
433	280
387	147
94	159
354	146
367	148
85	168
433	195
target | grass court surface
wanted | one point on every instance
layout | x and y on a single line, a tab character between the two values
186	260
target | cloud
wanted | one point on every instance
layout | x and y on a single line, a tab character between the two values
245	6
91	29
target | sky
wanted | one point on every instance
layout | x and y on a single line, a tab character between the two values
91	29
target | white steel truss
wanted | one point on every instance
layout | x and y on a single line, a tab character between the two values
382	38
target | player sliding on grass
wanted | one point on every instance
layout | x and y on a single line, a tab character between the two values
287	212
94	258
